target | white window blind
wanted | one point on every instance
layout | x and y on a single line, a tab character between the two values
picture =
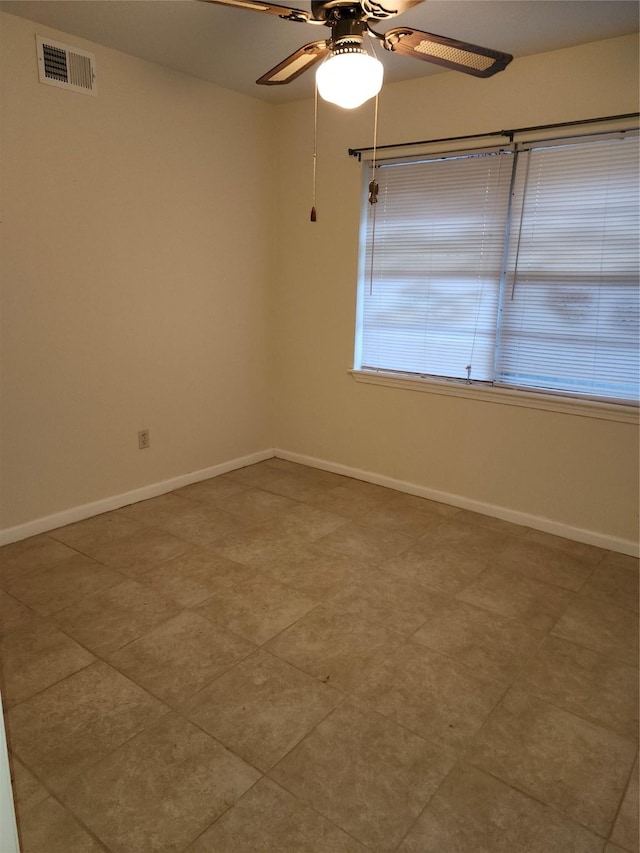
516	267
432	265
570	309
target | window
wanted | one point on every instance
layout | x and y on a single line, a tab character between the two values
515	266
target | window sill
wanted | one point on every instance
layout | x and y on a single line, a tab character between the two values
504	396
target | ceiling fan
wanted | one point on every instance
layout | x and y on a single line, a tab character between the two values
350	21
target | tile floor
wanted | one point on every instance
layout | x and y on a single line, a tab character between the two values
289	661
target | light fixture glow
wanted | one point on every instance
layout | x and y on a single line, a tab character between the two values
349	77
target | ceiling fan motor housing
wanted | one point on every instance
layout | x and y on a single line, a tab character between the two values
330	11
327	10
347	31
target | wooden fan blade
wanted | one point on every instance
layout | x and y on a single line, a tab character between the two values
459	55
285	12
293	66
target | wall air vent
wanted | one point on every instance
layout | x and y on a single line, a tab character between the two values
66	67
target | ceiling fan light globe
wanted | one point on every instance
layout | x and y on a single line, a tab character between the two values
349	79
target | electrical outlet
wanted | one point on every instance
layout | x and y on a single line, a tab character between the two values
143	439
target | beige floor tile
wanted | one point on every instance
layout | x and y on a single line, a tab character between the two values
155	511
413	503
255	475
626	831
474	813
257	548
409	515
195	576
399	605
160	790
483	641
49	828
318	475
257	608
587	684
444	567
365	773
297	487
260	544
35	657
404	517
13	613
489	522
91	533
576	767
212	490
201	524
270	820
109	619
577	549
27	791
623	561
517	597
71	725
141	551
450	556
180	656
318	572
386	508
37	552
370	490
430	694
254	504
614	583
483	538
262	708
334	647
308	523
250	473
64	583
363	542
601	627
350	503
542	563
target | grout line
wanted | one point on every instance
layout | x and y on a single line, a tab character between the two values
456	765
622	798
54	796
531	796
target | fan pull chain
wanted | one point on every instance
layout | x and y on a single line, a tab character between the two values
373	194
373	185
315	152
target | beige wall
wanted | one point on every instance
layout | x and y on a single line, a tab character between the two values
145	285
136	267
578	472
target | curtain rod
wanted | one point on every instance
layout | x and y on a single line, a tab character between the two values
358	152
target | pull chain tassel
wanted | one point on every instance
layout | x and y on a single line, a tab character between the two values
373	194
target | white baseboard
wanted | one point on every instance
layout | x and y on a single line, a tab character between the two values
589	537
79	513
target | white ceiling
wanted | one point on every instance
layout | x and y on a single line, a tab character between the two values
233	47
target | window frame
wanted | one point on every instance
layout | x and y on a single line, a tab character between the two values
483	390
